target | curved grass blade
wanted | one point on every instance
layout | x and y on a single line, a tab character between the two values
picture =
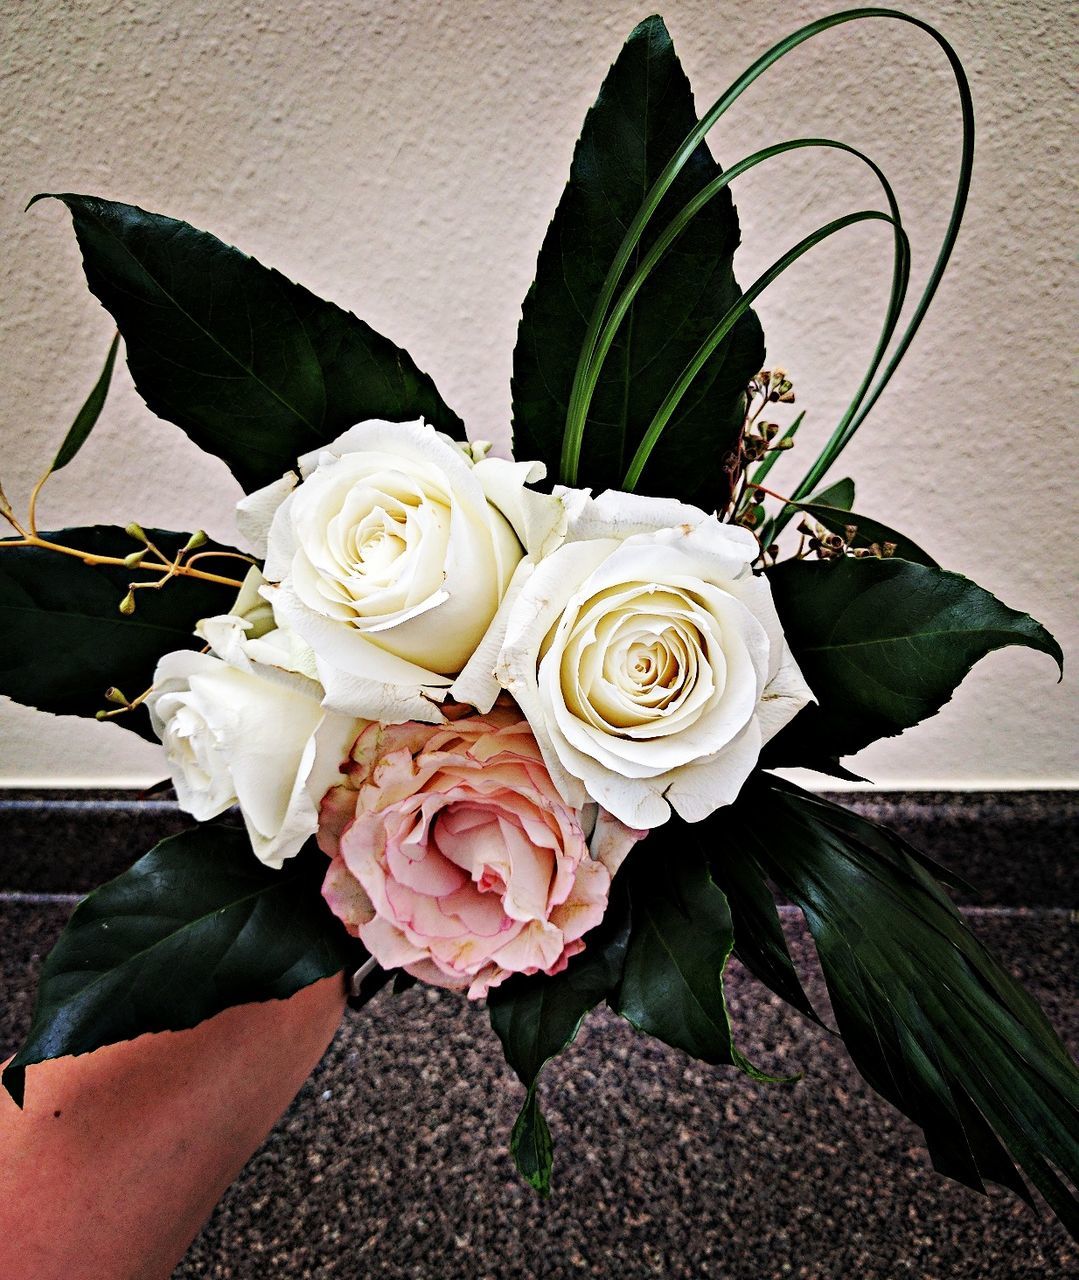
667	408
573	439
843	432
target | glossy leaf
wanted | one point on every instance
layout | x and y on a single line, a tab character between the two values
194	927
883	644
531	1145
932	1021
643	112
681	939
759	942
537	1017
256	369
840	494
86	418
65	640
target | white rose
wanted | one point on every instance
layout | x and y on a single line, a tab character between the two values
647	657
391	558
249	731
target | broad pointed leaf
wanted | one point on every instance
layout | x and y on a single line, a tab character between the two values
531	1145
679	945
931	1019
759	942
64	639
840	495
256	369
643	113
883	644
537	1017
194	927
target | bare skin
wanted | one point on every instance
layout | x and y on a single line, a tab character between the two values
120	1155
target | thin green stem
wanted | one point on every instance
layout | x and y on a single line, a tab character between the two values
576	411
681	221
730	319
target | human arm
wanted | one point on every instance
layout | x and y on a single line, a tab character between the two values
119	1156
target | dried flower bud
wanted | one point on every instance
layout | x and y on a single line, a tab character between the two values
889	549
127	604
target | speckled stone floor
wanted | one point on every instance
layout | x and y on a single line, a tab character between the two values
392	1161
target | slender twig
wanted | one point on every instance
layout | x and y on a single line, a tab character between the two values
169	568
224	555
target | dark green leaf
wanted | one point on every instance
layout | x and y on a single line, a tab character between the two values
681	939
931	1019
194	927
65	640
537	1017
255	369
644	111
531	1146
87	417
759	942
838	519
840	494
883	644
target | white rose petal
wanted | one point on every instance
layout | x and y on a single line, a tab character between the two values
392	557
647	657
250	731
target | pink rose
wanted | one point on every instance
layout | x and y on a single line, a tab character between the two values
455	858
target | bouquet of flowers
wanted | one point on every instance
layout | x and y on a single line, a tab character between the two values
509	727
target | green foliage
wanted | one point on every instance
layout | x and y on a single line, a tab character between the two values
681	939
194	927
531	1145
643	112
672	983
883	644
255	369
840	495
759	942
65	640
932	1021
86	418
537	1017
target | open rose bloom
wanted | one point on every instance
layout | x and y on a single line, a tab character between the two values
455	858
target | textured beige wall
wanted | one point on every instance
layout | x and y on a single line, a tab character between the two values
404	159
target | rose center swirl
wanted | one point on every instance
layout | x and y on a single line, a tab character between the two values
640	657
